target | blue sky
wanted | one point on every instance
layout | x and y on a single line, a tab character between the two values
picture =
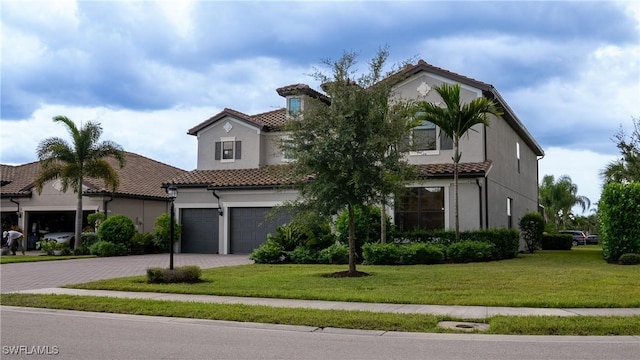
150	70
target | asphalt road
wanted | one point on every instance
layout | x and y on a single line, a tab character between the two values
62	334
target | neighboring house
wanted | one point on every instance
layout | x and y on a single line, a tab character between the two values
140	196
241	166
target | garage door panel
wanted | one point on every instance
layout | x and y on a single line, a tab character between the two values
250	226
199	231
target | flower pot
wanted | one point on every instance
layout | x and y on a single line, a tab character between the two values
57	252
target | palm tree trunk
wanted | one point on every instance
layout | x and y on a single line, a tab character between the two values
352	242
78	229
455	185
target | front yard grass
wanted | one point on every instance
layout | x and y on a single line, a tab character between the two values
551	279
365	320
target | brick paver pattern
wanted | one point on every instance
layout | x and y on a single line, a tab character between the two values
48	274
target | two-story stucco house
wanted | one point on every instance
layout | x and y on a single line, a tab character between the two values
222	204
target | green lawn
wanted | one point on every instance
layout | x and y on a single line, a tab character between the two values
577	278
34	258
366	320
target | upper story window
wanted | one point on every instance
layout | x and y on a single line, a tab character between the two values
294	106
228	150
518	156
286	146
427	137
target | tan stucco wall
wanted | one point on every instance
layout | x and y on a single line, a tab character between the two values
249	135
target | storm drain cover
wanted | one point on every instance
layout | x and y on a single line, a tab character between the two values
463	326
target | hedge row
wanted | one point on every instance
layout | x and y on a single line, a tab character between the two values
557	242
506	241
427	254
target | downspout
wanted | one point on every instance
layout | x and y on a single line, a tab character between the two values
18	214
486	203
106	205
480	201
213	191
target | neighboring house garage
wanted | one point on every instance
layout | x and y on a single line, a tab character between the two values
199	231
250	227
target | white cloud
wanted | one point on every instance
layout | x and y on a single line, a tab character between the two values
159	135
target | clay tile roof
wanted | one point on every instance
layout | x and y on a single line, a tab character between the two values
471	169
140	177
301	89
267	176
17	180
274	119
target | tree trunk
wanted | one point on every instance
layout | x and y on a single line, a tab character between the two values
352	242
455	185
383	221
78	229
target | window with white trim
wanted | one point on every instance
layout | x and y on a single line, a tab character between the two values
428	138
509	215
228	149
286	146
518	156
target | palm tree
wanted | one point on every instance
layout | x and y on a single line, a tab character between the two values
559	197
455	120
71	163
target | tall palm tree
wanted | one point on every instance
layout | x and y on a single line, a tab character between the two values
455	120
71	163
559	197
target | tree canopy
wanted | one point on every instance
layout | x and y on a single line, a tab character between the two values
625	169
72	162
558	198
349	149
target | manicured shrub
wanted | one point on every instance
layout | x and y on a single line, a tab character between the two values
367	226
506	241
304	255
619	215
142	243
287	236
117	229
183	274
106	248
268	252
420	253
335	254
470	251
95	219
629	259
162	232
532	229
89	238
380	254
557	242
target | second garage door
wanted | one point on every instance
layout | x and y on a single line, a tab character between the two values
250	226
199	231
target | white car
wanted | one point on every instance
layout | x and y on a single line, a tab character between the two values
62	237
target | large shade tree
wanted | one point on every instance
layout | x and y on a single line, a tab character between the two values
347	144
455	120
625	169
558	198
84	157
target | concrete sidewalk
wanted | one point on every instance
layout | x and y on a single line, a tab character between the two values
462	312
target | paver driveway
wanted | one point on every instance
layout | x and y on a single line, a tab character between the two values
47	274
